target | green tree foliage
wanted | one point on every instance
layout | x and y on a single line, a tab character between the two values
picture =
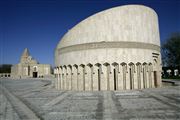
5	68
171	51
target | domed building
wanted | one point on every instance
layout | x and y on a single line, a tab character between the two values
116	49
28	67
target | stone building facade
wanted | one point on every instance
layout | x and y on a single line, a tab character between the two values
29	67
116	49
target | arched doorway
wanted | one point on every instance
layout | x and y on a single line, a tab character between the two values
98	71
155	73
144	75
131	74
115	74
35	73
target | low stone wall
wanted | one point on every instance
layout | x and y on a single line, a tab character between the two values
5	75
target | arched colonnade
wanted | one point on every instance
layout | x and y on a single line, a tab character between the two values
106	76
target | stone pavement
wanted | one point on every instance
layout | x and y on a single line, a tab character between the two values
48	103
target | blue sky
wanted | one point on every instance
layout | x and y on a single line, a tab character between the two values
39	24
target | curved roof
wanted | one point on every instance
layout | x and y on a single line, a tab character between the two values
132	23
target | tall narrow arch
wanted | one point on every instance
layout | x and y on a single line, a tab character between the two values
131	74
75	75
115	74
99	71
150	71
144	69
69	77
107	75
89	72
139	72
82	76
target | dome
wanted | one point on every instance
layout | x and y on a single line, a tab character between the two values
133	23
118	48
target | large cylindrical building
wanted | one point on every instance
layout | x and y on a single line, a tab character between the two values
115	49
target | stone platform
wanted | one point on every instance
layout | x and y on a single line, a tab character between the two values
37	99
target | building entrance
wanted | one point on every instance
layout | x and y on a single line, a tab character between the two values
99	80
35	74
115	79
155	79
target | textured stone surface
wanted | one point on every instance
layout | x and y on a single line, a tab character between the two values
51	104
101	43
28	66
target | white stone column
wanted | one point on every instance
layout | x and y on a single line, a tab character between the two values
111	78
75	77
62	80
138	67
135	77
58	79
69	78
106	76
127	78
152	75
144	76
117	79
81	77
60	76
65	77
55	82
138	76
88	78
120	78
147	76
141	74
131	75
103	77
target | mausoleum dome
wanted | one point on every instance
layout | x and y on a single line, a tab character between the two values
121	36
133	23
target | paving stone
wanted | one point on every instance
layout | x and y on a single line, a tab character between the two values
50	104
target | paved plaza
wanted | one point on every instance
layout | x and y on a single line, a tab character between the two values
37	99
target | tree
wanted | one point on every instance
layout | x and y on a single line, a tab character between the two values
171	51
5	68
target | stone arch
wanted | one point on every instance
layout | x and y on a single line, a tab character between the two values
115	72
144	69
81	77
60	76
89	77
107	75
97	76
35	71
139	74
124	70
35	68
70	66
131	74
155	72
69	77
150	71
75	76
64	77
55	75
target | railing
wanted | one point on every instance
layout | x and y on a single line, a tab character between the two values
5	75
